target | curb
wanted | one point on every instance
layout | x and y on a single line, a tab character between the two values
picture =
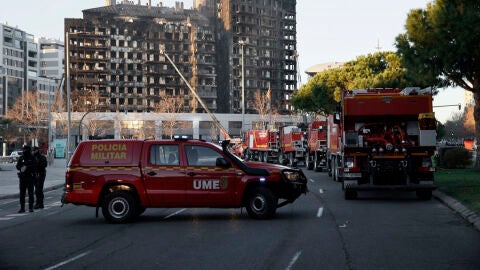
459	208
17	195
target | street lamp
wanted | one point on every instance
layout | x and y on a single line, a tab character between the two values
69	113
80	125
242	47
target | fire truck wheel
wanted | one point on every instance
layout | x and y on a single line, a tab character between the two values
424	194
350	194
261	203
310	164
119	207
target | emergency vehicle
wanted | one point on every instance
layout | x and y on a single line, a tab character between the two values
383	139
261	145
124	177
292	145
316	151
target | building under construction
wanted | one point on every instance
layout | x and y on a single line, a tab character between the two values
115	60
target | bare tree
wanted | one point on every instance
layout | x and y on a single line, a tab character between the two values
261	103
30	113
171	106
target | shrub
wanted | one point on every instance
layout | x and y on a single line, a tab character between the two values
457	158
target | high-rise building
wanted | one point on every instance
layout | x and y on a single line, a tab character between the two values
52	55
116	52
20	69
264	32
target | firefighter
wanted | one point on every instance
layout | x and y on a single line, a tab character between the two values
26	167
41	173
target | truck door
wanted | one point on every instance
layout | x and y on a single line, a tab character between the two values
208	184
165	180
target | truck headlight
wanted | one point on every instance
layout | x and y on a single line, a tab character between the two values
291	175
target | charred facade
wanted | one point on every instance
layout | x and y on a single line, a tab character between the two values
116	64
116	60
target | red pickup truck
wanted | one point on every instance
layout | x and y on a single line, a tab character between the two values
124	177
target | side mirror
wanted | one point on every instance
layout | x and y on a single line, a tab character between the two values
223	163
336	118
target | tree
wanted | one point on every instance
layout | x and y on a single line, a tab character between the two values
441	46
323	91
261	103
30	114
172	107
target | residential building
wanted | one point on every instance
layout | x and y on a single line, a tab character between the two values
116	52
116	55
20	58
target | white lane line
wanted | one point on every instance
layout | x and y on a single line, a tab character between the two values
68	261
320	212
321	191
8	202
5	218
17	215
294	260
175	213
311	180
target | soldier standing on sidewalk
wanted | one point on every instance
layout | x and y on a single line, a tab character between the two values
26	175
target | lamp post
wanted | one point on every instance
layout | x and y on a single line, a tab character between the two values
69	113
80	125
242	44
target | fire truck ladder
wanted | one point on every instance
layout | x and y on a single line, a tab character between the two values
215	120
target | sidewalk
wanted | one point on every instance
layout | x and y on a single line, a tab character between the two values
9	180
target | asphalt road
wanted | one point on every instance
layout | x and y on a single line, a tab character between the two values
319	231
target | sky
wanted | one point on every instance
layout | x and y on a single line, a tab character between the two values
327	30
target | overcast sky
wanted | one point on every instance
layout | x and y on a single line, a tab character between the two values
327	30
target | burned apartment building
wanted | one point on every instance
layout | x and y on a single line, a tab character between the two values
265	32
116	58
116	64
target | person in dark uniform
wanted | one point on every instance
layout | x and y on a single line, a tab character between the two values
26	166
41	173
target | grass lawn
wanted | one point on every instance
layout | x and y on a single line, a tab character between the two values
461	184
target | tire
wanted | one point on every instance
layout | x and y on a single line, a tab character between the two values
424	194
290	159
119	207
261	203
308	160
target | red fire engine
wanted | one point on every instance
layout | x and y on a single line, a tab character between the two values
292	145
383	139
317	146
261	145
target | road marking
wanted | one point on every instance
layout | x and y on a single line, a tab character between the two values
321	191
68	261
320	212
5	218
17	215
311	180
294	260
175	213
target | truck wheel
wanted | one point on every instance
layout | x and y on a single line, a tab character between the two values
119	207
261	203
309	162
424	194
350	194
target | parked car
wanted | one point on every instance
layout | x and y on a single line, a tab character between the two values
15	155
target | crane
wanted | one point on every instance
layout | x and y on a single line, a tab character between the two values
217	123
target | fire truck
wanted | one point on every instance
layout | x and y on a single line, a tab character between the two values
261	145
383	139
292	145
317	146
